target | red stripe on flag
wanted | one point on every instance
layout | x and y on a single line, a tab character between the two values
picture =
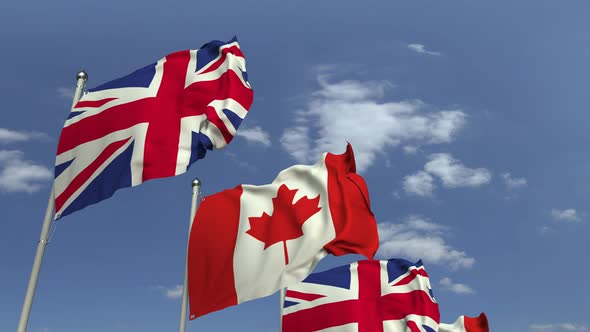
108	121
303	296
212	242
83	176
234	50
163	134
399	305
348	196
227	85
477	324
369	274
93	103
413	326
413	275
323	316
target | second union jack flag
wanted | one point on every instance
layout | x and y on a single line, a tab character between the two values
366	296
152	123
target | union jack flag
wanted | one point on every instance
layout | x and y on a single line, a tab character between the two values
152	123
365	296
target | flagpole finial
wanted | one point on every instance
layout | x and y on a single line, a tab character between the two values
196	182
82	75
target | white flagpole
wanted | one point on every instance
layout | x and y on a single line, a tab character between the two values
282	303
81	77
196	189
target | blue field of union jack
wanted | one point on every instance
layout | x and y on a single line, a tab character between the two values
365	296
152	123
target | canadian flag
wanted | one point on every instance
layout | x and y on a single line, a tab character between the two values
250	241
467	324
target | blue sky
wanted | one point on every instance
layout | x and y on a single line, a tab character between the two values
469	121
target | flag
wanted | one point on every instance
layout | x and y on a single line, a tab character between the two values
251	241
370	295
467	324
152	123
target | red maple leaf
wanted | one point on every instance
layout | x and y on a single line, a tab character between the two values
286	221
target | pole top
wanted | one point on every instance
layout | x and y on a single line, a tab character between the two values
196	182
82	75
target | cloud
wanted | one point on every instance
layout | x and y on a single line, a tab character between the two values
543	230
454	174
20	175
420	184
352	111
12	136
408	149
240	162
350	90
558	327
255	134
417	238
449	285
174	292
296	142
66	93
419	48
450	171
565	215
513	183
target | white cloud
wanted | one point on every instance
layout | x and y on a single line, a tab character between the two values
351	111
420	48
174	292
545	230
513	183
420	224
350	90
66	93
408	149
420	184
555	327
454	174
565	215
255	134
295	141
417	238
449	285
20	175
11	136
240	162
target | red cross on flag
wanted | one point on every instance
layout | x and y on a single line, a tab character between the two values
370	296
152	123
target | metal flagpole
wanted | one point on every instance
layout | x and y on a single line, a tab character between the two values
196	190
81	77
282	302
